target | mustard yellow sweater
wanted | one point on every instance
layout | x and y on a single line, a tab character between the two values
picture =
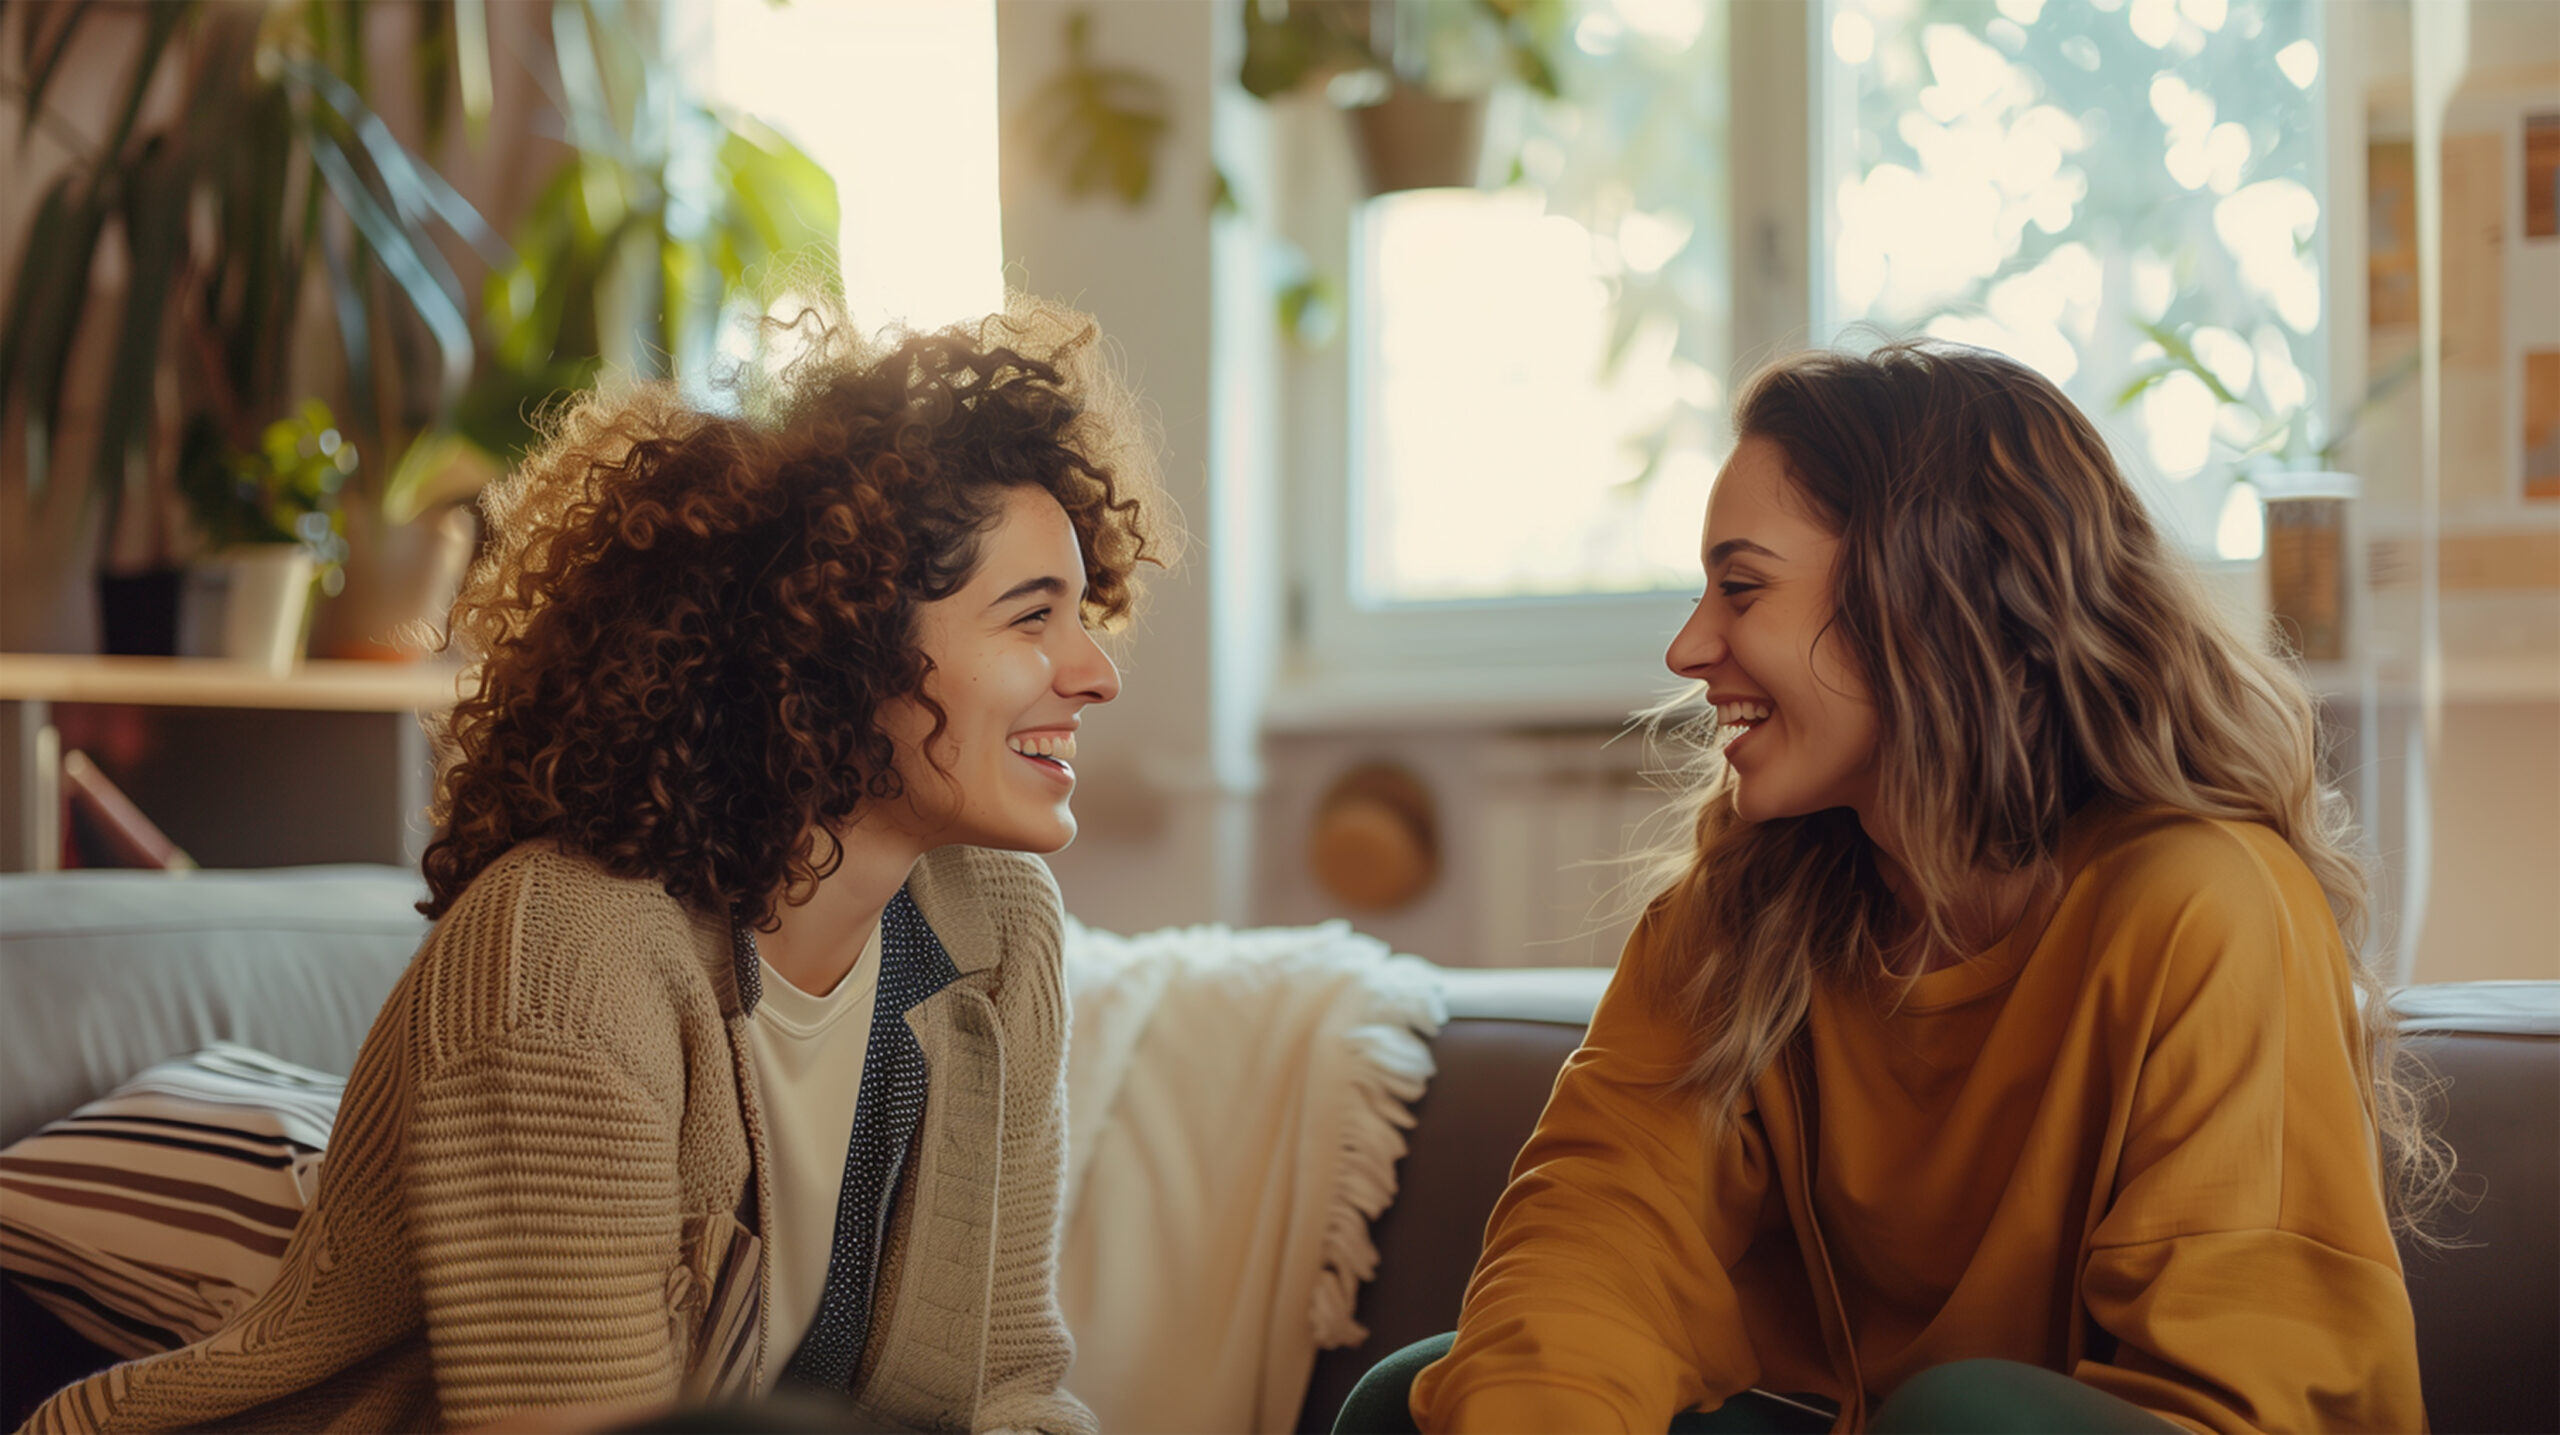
2142	1153
545	1183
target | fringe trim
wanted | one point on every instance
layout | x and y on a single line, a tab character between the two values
1388	1046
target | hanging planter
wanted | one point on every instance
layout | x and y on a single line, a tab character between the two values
1415	76
1414	139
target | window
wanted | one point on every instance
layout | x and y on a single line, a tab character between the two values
898	104
1527	475
2125	194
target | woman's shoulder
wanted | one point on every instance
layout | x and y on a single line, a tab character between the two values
2158	879
2162	851
546	937
542	890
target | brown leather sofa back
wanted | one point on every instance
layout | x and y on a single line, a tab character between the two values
2488	1307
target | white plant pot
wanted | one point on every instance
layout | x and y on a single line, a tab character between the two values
247	605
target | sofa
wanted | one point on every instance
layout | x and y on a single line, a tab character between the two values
106	973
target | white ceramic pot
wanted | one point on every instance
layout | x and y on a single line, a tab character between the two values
247	605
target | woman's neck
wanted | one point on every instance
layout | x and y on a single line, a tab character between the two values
817	942
1985	907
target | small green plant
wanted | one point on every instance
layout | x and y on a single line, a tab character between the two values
287	490
2288	438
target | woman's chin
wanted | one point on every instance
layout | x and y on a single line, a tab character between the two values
1041	835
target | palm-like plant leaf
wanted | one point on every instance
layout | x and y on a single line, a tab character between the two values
41	56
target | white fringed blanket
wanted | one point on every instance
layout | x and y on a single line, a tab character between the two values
1236	1106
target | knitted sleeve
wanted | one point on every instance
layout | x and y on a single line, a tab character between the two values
1028	1348
543	1193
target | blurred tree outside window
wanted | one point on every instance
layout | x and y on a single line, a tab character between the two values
2125	194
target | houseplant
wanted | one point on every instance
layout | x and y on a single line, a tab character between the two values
663	214
270	170
660	212
1414	75
2287	503
276	531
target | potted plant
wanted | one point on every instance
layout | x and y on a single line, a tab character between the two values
276	531
1415	75
665	210
2288	506
269	172
661	208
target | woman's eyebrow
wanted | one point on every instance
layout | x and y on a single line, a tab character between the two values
1047	585
1718	555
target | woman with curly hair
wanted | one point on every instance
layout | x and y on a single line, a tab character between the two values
734	1060
1991	1055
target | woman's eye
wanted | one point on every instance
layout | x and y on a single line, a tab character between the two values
1736	589
1036	615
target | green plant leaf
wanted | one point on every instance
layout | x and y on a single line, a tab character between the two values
162	23
44	315
416	191
2182	355
471	64
585	103
1097	126
401	259
355	324
439	467
2142	383
155	216
784	198
44	59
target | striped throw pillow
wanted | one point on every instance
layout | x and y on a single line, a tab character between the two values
146	1218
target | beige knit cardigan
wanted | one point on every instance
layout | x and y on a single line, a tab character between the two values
547	1142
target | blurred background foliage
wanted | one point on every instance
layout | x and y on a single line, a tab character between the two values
274	165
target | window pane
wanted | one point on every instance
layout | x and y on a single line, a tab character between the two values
848	82
1539	369
2109	190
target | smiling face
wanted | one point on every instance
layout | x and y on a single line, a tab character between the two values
1807	729
1013	669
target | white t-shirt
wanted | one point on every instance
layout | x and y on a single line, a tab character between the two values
808	1061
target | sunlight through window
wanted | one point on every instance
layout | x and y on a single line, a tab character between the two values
898	102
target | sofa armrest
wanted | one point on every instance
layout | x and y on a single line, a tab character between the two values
1508	1035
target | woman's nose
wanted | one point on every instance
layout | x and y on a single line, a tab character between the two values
1089	673
1699	645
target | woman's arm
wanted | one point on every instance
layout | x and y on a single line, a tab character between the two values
542	1178
2244	1267
1602	1300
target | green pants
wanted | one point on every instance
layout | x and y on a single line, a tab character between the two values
1964	1397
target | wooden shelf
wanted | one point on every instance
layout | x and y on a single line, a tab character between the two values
316	686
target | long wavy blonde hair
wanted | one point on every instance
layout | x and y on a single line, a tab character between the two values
2031	644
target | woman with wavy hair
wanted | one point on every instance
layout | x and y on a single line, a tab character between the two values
734	1060
1993	1054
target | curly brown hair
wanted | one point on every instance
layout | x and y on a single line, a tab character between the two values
685	624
